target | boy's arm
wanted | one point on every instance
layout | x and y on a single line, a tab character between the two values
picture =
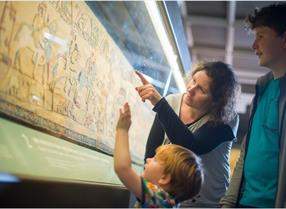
122	159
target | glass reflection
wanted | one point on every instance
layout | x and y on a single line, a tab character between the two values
130	26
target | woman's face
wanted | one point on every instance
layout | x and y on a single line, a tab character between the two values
198	93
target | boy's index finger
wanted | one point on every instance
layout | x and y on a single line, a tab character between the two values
126	107
142	78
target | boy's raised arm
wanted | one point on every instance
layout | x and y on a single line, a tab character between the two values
122	159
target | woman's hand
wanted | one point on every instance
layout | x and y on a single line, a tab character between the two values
124	121
147	90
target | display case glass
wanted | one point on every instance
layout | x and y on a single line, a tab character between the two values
130	25
66	67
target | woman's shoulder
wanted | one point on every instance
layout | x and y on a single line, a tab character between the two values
216	124
174	99
217	128
225	126
171	97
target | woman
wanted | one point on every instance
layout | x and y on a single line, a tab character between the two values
202	119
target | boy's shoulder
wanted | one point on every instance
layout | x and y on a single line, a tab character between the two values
155	197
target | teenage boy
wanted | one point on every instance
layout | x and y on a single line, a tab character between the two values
259	179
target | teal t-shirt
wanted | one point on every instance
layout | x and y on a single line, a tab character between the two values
261	162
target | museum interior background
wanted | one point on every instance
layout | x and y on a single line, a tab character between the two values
65	69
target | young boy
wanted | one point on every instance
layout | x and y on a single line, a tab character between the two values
173	175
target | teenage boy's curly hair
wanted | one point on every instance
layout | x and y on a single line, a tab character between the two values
272	16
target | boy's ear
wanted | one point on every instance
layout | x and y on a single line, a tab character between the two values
165	179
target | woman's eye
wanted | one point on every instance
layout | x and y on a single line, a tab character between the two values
202	90
193	82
